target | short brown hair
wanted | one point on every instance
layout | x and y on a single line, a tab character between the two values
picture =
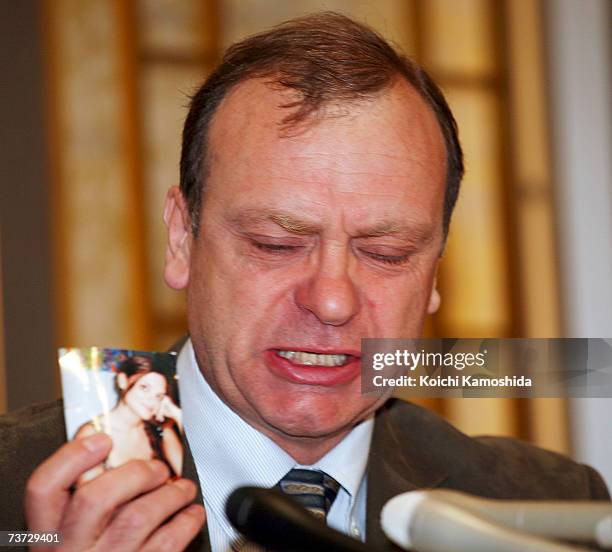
324	57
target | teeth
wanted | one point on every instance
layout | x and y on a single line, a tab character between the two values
313	359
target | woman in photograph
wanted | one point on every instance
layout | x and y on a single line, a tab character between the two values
144	424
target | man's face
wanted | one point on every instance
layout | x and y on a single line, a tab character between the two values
309	242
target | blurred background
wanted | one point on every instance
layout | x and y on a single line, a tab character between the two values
93	99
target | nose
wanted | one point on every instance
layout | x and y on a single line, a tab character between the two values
330	293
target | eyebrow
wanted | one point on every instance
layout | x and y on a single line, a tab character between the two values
383	229
417	233
284	220
293	225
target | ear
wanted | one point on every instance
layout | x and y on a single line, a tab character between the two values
434	298
178	250
122	381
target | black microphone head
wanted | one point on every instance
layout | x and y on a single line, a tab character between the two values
270	518
238	506
275	521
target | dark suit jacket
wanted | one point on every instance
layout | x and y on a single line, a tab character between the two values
412	448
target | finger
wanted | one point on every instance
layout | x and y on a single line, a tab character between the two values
179	532
141	517
94	503
48	489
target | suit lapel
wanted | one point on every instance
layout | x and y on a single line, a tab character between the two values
202	542
393	468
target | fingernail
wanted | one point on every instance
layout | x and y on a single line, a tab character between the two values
96	442
195	510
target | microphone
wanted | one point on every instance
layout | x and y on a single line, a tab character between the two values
417	521
275	521
573	520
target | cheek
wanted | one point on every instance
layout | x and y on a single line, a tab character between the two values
396	306
227	281
137	397
243	289
234	306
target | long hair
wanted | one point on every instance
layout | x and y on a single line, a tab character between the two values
136	366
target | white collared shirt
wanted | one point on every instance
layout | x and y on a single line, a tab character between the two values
229	453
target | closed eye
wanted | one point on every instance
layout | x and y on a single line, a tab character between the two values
388	259
275	247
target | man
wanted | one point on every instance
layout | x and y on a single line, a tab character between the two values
318	175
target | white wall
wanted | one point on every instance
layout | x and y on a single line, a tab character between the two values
579	50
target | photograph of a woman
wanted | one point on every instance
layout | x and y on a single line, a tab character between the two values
146	421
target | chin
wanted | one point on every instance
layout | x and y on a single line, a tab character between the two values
310	419
303	430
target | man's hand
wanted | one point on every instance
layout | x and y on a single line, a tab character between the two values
132	507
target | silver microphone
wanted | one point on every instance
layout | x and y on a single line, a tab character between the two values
573	520
417	521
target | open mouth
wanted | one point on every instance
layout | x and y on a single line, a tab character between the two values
302	366
304	358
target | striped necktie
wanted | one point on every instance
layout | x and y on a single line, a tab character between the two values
314	490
